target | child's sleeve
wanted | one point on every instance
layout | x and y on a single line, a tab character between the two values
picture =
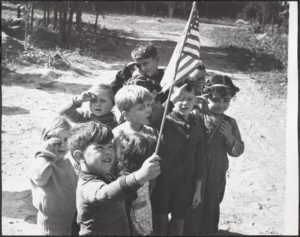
98	192
41	169
70	111
237	148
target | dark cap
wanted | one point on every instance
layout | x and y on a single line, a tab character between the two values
144	81
220	81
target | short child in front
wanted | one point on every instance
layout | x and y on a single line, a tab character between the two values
100	196
132	150
179	186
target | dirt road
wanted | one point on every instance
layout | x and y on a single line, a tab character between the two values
254	199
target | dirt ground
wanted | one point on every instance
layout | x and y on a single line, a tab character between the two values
254	198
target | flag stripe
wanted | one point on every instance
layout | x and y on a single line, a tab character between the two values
185	59
193	42
190	46
192	51
186	65
187	71
194	37
195	32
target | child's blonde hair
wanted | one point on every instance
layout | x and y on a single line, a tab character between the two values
98	88
131	95
52	126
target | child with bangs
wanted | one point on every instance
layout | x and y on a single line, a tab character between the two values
132	150
53	180
223	138
100	196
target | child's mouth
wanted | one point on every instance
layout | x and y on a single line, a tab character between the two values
107	160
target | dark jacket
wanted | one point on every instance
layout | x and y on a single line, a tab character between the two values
100	204
125	74
183	147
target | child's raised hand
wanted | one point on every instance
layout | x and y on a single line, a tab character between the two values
176	93
226	130
149	170
51	145
86	96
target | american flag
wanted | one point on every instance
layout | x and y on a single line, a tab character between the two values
186	55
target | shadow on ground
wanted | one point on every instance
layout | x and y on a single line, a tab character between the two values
14	110
41	82
228	233
18	205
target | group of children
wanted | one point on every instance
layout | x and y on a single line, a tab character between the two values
97	173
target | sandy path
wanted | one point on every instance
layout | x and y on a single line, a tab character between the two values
253	202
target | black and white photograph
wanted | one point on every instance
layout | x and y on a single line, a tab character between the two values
149	118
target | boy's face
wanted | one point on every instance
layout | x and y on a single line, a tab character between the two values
61	148
140	113
148	66
102	104
186	103
99	158
218	102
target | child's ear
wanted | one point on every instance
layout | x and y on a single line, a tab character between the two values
157	59
78	156
125	114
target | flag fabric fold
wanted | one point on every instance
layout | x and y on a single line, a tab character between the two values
186	55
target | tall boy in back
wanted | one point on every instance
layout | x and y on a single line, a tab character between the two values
146	62
184	166
100	196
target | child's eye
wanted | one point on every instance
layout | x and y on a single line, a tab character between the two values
93	100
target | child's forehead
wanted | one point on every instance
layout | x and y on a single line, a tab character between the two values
220	91
95	144
101	92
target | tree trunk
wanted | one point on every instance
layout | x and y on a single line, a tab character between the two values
263	20
134	7
63	23
70	20
206	9
143	8
27	25
97	15
32	15
45	13
78	17
48	13
171	7
55	16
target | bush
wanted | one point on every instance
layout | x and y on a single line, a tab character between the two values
275	46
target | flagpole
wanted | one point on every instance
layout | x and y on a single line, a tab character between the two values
171	88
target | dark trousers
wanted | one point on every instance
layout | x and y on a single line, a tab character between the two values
204	219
